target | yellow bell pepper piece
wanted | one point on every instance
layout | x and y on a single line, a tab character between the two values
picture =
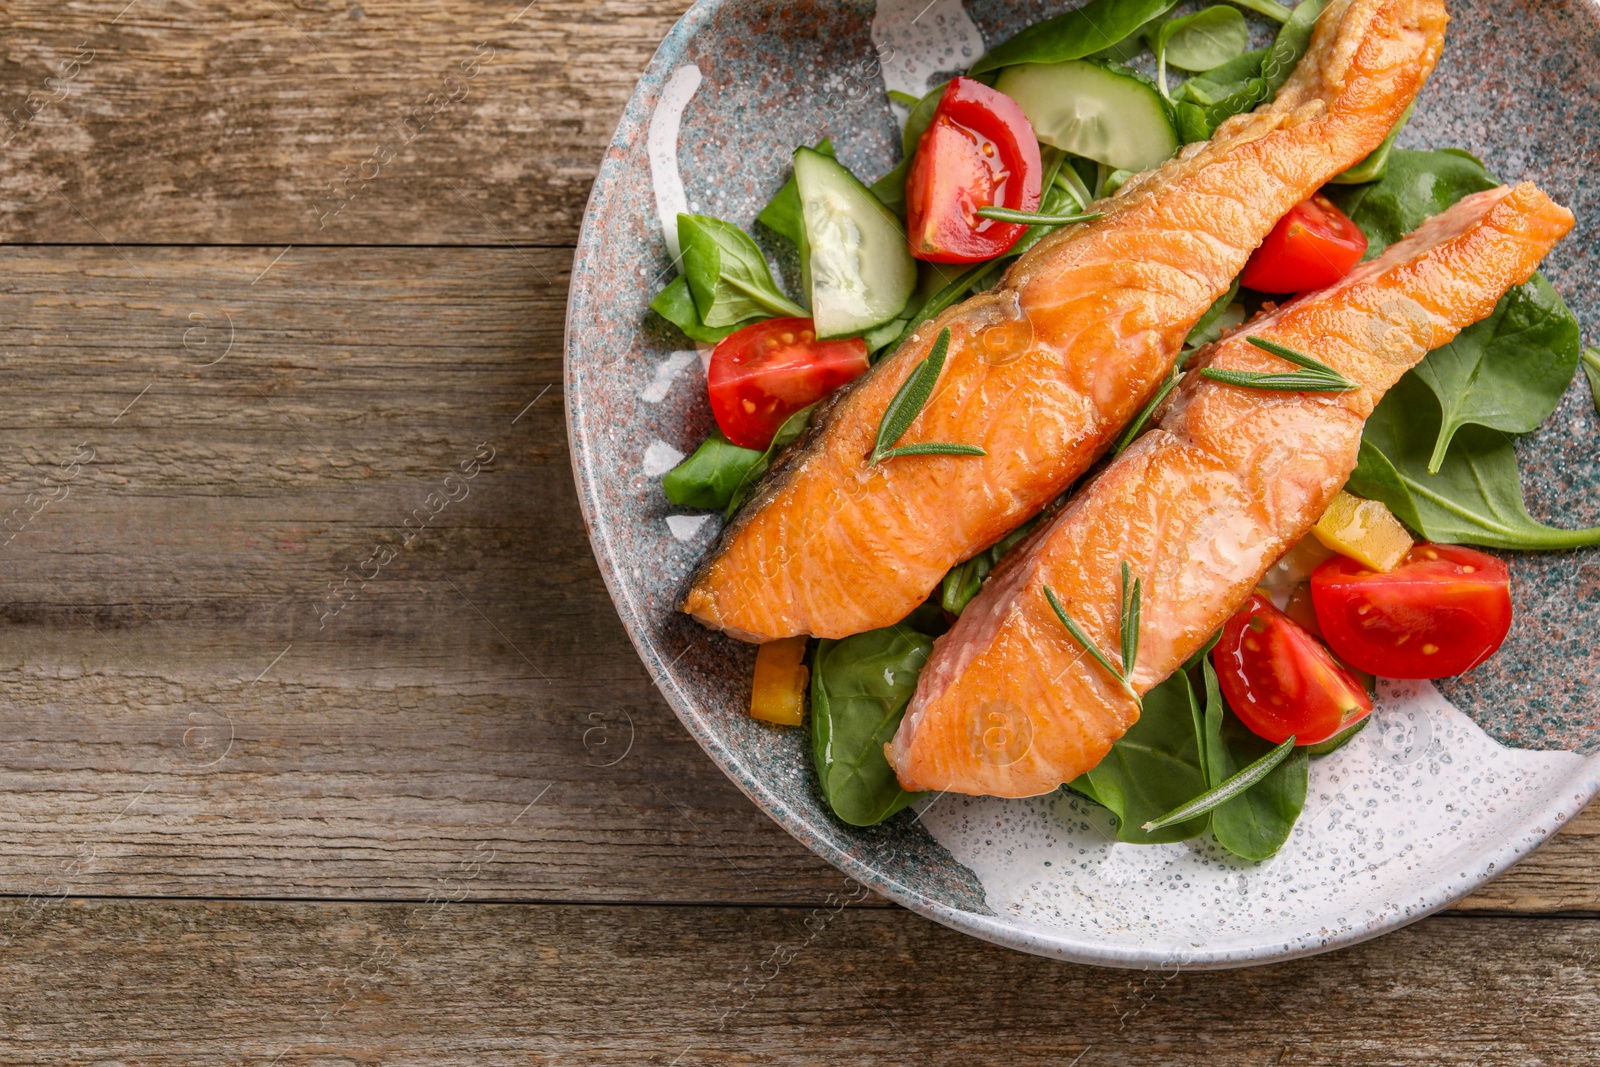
1364	530
779	693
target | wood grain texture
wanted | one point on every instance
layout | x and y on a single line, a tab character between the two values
295	984
312	121
155	743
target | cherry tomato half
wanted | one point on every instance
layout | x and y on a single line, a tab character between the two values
1313	246
979	151
764	373
1444	610
1281	681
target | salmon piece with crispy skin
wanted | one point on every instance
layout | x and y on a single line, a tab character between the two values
1009	703
1045	369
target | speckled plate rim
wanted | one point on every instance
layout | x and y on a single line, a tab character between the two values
588	471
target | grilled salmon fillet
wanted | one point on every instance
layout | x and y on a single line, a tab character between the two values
1009	703
1045	369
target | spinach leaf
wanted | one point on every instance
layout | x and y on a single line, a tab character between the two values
1257	822
1081	32
676	305
792	428
1416	186
1270	8
1223	81
1198	120
782	214
709	478
1476	498
1507	372
1153	768
1591	370
1216	320
860	687
1202	41
964	580
728	276
891	189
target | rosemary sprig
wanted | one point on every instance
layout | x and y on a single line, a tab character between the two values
1149	409
1034	218
908	401
1132	594
1316	377
1227	790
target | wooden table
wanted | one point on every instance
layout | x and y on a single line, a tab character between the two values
313	756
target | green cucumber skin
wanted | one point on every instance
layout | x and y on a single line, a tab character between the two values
1103	111
852	288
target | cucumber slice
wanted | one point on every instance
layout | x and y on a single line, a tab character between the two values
1109	113
854	257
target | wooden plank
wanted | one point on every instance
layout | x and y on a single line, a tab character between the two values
261	121
154	740
160	983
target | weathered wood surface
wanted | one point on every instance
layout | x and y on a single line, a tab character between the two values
159	983
312	121
155	743
199	445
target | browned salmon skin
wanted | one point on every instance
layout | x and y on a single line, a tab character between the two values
1044	370
1009	703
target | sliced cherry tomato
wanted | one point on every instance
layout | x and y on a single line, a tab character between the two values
764	373
979	151
1281	681
1443	611
1313	246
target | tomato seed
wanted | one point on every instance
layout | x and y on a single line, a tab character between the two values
1428	650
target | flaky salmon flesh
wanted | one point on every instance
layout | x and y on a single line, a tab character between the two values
1046	369
1010	704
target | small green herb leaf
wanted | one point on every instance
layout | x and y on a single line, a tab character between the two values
1316	377
903	99
1092	28
908	401
1128	630
728	276
933	448
1234	88
1229	789
1035	218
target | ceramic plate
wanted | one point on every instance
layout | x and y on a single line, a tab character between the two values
1448	787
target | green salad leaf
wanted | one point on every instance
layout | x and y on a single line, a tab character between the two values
860	687
1507	372
676	305
1591	370
1081	32
1153	768
1202	41
1270	8
1475	498
728	276
1257	822
917	121
782	214
710	477
1233	88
